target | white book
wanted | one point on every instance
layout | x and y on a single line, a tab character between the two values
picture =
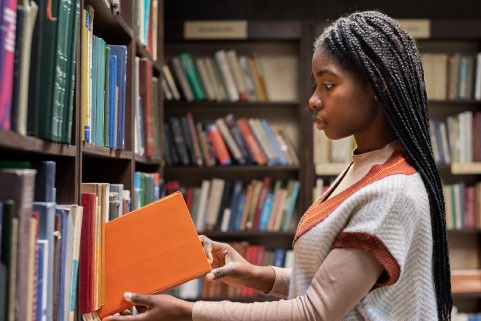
204	77
215	198
30	9
214	76
180	75
289	261
237	73
231	144
225	220
440	81
263	140
453	137
229	82
165	88
469	136
170	81
201	210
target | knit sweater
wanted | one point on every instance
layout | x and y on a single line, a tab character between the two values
385	214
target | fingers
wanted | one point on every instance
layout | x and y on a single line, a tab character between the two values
126	312
207	245
138	299
217	274
138	317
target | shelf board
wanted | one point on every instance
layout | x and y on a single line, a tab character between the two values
467	295
13	140
466	168
207	171
329	169
104	152
143	53
464	231
173	105
108	25
455	102
147	160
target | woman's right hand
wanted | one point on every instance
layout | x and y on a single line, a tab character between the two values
227	264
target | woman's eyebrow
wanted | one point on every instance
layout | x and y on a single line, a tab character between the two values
325	71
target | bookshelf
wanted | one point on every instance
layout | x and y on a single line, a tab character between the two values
80	162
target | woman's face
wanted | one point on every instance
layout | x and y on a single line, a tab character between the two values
342	104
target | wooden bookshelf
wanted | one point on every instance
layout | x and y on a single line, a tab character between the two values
102	151
466	168
12	141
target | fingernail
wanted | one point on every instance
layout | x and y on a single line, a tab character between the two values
127	296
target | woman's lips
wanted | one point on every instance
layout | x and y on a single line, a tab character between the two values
320	122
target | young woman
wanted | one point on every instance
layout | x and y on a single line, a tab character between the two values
374	246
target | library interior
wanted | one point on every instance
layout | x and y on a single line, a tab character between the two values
190	151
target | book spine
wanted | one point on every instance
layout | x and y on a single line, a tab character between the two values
192	76
219	145
230	141
106	97
112	100
254	147
195	140
221	59
179	74
266	213
145	87
239	140
7	52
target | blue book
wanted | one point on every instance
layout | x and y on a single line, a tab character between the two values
239	139
121	53
239	211
292	203
63	262
44	181
46	231
236	194
279	257
137	180
266	213
280	157
42	278
112	101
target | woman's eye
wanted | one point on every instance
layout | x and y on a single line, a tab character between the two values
328	86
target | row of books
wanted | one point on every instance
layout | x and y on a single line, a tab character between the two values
463	206
452	76
37	67
332	151
459	316
261	205
103	79
46	247
224	77
255	254
226	142
40	245
457	139
147	21
147	113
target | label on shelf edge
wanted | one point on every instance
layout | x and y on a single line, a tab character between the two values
215	29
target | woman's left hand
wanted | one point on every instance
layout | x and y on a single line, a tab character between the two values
155	308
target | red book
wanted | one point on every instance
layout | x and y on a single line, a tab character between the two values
87	252
145	89
188	198
219	145
249	256
252	144
469	219
265	189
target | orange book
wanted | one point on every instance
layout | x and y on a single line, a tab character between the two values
151	250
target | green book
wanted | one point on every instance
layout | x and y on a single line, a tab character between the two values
61	70
69	102
47	70
192	75
155	84
14	164
106	96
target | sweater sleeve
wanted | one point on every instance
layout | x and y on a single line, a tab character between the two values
345	276
280	288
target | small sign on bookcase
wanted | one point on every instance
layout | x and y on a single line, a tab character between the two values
219	29
418	28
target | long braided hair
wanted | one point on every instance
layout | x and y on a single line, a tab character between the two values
376	48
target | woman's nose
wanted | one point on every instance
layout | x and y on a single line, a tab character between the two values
315	101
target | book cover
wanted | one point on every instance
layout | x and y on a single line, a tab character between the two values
167	243
106	97
189	143
121	52
195	140
17	64
226	72
18	185
7	52
145	91
44	181
87	250
254	147
220	148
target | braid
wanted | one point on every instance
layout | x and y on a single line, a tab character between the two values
377	48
